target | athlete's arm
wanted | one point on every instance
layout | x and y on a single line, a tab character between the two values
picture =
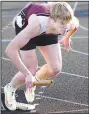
73	28
13	49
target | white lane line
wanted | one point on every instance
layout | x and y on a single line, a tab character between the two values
41	92
6	40
8	16
83	37
74	9
76	75
82	27
38	98
68	111
6	59
80	52
77	52
61	72
6	27
75	6
43	87
56	99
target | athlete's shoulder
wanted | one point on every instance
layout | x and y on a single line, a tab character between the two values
38	22
33	21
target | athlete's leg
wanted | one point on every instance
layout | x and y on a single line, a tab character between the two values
30	60
53	57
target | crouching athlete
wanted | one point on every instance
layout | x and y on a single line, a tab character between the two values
38	25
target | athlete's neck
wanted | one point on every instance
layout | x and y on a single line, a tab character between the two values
49	27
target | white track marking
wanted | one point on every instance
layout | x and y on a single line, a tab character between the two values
68	111
43	87
41	92
6	59
38	98
77	52
80	52
76	75
83	28
83	37
56	99
6	40
6	27
61	72
74	8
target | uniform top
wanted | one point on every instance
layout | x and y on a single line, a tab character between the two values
40	10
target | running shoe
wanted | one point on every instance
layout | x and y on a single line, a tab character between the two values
10	100
25	107
30	92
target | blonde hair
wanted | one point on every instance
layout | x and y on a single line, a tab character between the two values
62	11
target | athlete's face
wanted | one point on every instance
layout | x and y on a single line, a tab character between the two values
59	27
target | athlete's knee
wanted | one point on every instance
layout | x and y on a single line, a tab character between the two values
56	70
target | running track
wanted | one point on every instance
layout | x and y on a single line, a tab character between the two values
69	94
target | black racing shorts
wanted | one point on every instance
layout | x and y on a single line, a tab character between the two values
41	40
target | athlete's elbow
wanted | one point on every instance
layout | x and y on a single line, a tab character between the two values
9	51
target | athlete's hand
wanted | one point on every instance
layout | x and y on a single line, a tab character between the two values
29	81
66	43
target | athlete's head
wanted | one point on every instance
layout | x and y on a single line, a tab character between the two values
61	11
61	14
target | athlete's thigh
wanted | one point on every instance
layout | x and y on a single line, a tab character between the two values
52	54
29	58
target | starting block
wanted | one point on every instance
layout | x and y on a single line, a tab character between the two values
22	104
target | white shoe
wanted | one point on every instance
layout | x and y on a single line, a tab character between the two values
30	93
23	106
10	100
